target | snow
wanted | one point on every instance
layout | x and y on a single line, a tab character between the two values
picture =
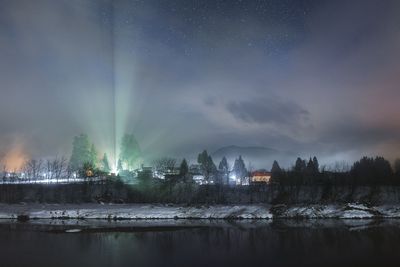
359	211
160	211
73	231
134	211
357	206
347	211
51	180
359	214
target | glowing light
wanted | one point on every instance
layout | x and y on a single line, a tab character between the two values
15	158
114	171
261	177
52	180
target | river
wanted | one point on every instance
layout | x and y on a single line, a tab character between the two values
200	243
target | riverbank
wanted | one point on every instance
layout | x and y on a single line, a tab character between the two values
24	212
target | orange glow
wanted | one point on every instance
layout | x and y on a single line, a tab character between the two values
15	158
260	177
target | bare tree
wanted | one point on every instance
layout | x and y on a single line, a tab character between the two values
48	168
59	167
56	168
33	168
62	167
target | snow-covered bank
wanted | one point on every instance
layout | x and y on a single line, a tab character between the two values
133	211
348	211
158	211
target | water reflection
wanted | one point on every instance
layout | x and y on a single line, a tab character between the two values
202	243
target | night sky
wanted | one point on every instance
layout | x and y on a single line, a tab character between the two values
309	77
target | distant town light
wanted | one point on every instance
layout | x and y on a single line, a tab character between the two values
114	171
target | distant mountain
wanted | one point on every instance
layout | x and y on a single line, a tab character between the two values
260	157
251	151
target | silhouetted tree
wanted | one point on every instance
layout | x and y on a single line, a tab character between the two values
119	165
223	168
310	167
80	152
239	168
276	173
105	165
383	167
93	155
275	167
316	165
371	171
33	168
59	167
165	164
207	165
184	170
223	165
130	151
300	165
397	166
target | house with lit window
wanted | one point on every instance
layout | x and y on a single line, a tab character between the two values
260	177
197	174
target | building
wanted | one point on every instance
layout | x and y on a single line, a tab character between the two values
199	179
164	172
260	177
144	171
195	169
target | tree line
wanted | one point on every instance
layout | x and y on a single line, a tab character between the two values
368	171
84	161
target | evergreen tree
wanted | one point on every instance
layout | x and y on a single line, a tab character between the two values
371	171
130	151
316	164
300	165
207	164
310	167
382	168
93	156
239	168
105	164
202	158
119	165
275	168
184	169
397	166
80	152
276	172
223	165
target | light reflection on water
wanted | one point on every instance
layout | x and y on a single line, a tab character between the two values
201	243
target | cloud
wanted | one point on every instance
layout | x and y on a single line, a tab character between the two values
56	74
268	111
352	135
